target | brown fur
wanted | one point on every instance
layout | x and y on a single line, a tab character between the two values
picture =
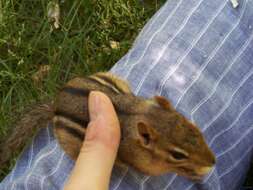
156	139
31	121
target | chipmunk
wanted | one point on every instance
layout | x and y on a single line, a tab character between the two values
156	139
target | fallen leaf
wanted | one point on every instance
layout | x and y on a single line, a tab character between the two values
41	73
114	45
53	13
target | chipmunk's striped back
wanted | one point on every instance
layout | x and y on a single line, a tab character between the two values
71	107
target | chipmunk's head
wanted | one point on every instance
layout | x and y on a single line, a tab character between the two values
163	140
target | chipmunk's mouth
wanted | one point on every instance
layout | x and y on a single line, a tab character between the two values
196	175
201	173
204	170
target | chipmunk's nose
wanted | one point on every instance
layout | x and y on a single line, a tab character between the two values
213	160
208	166
210	158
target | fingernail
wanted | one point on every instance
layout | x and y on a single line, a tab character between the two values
94	106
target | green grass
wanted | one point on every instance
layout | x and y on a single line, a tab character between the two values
80	47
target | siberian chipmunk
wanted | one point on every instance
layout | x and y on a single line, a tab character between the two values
156	139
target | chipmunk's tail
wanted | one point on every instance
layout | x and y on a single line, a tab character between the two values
31	120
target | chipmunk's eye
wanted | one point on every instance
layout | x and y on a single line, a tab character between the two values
178	154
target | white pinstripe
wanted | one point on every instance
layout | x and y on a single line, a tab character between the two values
237	142
242	49
235	180
193	44
170	182
29	162
53	172
48	136
127	60
36	163
233	123
124	175
11	178
143	182
212	55
206	179
135	175
42	156
166	46
209	175
13	172
31	155
236	163
152	37
13	185
245	78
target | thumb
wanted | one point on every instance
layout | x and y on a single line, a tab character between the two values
97	156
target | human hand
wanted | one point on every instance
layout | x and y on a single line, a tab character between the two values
94	164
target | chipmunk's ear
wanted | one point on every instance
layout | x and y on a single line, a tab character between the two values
146	134
163	102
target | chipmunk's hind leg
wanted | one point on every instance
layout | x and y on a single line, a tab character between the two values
35	118
70	135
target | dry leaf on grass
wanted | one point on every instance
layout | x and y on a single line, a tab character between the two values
53	13
41	73
114	44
